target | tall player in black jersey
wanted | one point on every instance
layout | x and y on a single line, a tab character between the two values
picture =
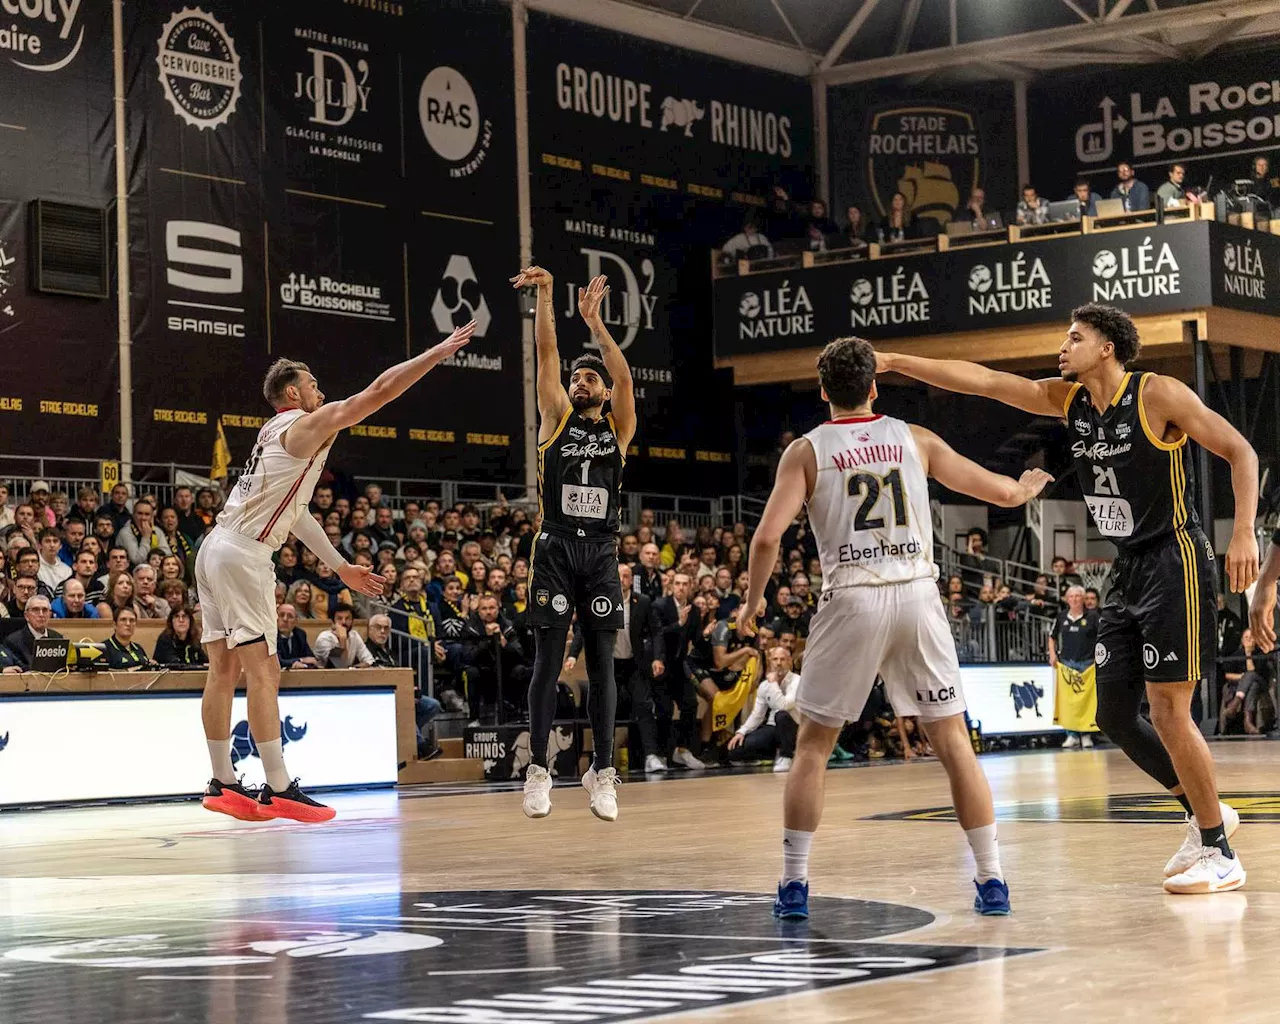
574	567
1159	624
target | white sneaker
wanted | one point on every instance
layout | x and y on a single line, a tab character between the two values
1189	852
602	788
537	792
653	763
1086	742
685	757
1212	872
1071	742
782	764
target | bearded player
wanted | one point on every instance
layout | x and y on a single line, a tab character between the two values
1159	623
574	564
864	478
235	573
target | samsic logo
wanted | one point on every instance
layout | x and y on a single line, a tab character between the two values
204	263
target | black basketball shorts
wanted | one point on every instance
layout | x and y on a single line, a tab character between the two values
1160	619
568	575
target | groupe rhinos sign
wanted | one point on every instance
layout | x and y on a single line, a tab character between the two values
331	738
1163	269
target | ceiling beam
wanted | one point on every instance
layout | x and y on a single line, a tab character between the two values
787	21
910	14
1209	13
1158	47
846	35
1201	49
1079	11
647	23
1119	9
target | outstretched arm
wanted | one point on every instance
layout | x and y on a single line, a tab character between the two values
357	577
1168	402
310	433
1042	397
623	395
797	471
553	400
964	476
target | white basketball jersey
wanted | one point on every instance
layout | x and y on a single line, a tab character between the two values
870	505
275	487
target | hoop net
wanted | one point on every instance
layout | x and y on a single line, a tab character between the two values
1095	573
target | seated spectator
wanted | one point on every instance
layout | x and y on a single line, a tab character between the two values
206	504
1264	185
146	603
444	567
117	508
27	563
141	536
781	220
795	617
976	565
1043	600
117	561
299	596
800	587
818	218
341	646
104	532
975	210
122	652
184	505
1032	208
1092	599
6	509
379	640
899	223
287	564
72	603
36	614
1172	192
292	647
1135	194
748	243
83	511
496	667
180	544
329	593
172	568
24	589
24	521
173	595
770	731
1248	699
1086	197
383	530
73	534
51	569
176	647
118	594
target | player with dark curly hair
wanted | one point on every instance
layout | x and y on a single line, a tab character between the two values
1129	436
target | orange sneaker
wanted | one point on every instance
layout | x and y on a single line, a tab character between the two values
233	799
292	803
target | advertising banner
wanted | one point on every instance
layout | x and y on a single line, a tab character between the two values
1215	115
335	737
1143	271
1010	699
931	146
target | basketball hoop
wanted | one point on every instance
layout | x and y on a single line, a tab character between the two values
1094	572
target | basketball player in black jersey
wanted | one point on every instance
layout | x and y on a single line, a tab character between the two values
574	566
1159	623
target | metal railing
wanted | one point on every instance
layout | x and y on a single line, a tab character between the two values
991	638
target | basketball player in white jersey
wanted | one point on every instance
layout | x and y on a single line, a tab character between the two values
235	575
864	478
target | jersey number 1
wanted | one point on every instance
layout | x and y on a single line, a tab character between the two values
868	487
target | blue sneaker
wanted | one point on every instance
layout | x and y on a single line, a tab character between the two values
792	903
992	899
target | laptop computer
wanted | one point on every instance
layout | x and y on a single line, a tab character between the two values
1110	207
1064	209
959	227
50	654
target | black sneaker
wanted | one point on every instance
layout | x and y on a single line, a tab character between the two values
292	803
234	799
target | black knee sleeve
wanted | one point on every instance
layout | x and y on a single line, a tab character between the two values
1120	693
542	688
602	693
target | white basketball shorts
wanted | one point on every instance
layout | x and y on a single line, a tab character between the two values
236	584
899	632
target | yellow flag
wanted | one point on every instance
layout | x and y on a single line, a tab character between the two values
728	703
1076	699
221	455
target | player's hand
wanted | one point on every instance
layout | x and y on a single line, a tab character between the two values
534	277
590	298
1262	618
456	340
1033	481
363	579
569	663
735	741
1242	561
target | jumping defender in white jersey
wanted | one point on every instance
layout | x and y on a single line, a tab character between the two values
235	574
864	479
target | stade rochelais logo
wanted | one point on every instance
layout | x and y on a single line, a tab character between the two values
889	299
1141	271
775	313
1244	273
1009	286
41	35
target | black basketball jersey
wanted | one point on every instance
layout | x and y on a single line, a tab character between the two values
1138	486
580	478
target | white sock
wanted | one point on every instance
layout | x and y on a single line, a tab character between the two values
220	754
986	852
272	754
795	855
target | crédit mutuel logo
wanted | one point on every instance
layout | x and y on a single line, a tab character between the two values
199	68
42	35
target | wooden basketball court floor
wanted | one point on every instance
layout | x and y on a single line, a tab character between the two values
420	906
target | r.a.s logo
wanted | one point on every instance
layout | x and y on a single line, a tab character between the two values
931	154
204	262
451	121
41	35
